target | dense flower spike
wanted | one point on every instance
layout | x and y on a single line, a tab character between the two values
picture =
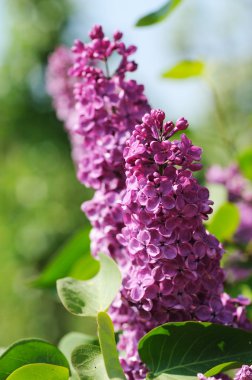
175	272
100	110
108	107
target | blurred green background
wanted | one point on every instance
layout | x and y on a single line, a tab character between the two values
39	196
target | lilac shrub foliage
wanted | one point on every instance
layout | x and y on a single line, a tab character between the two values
148	209
240	193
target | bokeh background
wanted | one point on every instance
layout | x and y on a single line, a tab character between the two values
39	196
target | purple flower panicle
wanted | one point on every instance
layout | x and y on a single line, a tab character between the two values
100	109
175	272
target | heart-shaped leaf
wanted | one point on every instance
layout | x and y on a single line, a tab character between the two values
187	348
40	372
87	298
225	221
160	14
74	254
108	347
30	351
184	70
88	362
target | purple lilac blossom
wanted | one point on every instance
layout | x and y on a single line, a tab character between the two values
175	272
100	110
108	107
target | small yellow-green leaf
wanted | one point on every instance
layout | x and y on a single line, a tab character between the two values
225	221
40	372
185	69
158	15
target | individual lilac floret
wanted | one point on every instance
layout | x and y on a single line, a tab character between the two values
245	373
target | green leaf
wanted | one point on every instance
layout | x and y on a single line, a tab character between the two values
185	69
40	372
187	348
108	347
218	194
72	340
88	363
77	249
245	162
158	15
30	351
87	298
225	221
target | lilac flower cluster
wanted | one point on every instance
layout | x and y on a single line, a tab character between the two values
175	272
108	107
100	110
240	193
